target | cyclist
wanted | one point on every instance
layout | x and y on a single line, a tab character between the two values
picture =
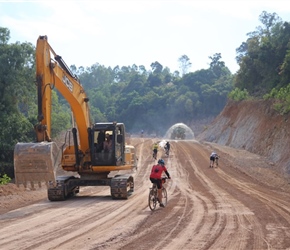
156	177
213	159
167	148
155	150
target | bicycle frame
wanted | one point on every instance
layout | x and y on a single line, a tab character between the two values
167	151
155	154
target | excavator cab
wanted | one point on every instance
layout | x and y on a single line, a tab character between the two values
107	144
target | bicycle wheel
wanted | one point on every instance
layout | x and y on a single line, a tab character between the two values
152	199
164	196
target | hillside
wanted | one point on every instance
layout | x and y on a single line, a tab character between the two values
253	126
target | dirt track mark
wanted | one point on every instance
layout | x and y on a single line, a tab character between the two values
277	205
250	193
207	209
69	223
167	222
230	213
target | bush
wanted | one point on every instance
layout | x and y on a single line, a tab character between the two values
4	179
282	98
239	95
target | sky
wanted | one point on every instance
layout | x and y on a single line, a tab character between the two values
123	33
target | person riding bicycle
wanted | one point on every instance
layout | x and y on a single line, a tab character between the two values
156	177
213	159
155	150
167	148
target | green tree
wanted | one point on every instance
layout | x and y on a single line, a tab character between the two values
156	67
16	97
184	64
60	116
216	65
263	57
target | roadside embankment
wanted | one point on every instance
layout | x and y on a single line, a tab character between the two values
253	126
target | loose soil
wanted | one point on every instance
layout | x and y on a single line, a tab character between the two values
242	204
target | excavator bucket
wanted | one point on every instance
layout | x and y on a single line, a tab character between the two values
36	163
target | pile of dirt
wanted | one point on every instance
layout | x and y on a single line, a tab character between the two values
253	126
12	196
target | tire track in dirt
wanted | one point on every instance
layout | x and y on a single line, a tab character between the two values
66	224
191	209
276	206
167	222
183	205
207	209
249	192
227	209
201	231
198	213
258	194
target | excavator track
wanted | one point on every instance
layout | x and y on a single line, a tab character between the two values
122	186
62	188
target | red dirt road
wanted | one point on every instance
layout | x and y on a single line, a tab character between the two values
242	204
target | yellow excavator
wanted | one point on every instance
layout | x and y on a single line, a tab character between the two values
82	156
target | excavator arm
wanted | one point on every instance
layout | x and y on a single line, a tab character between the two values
37	162
52	72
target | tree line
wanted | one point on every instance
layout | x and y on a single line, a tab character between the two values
145	99
264	58
155	99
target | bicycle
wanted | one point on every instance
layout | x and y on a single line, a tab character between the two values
153	195
166	151
155	154
214	162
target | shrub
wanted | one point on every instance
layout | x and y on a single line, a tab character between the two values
282	98
238	94
4	179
